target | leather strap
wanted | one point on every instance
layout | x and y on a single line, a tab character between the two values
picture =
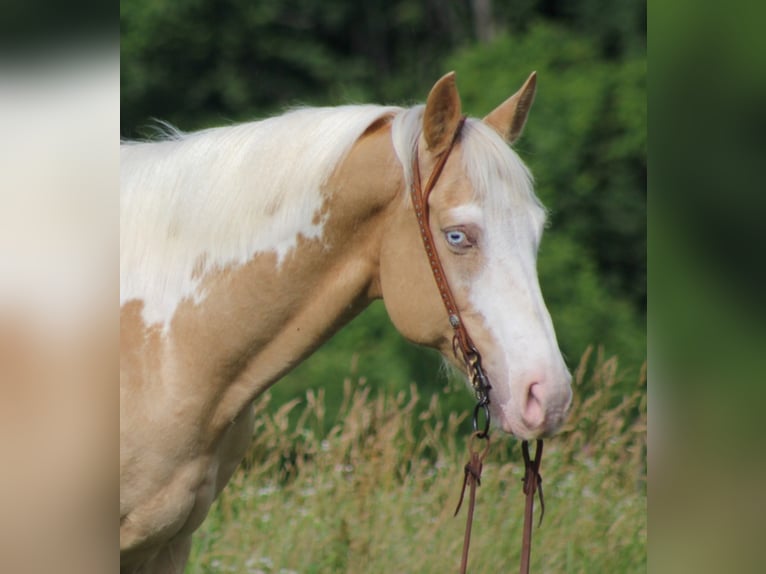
472	478
533	482
461	342
422	211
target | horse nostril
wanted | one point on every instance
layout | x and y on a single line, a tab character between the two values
533	413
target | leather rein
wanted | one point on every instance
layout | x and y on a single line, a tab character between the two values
464	348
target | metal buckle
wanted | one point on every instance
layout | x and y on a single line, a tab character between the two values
481	404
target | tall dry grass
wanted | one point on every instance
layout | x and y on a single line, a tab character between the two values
376	493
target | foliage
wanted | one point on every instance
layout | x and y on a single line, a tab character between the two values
377	491
197	62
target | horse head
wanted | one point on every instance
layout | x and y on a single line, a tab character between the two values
487	225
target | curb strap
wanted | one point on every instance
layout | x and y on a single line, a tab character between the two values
533	482
462	345
472	477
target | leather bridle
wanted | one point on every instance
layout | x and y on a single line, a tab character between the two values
461	341
464	348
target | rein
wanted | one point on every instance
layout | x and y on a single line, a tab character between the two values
463	347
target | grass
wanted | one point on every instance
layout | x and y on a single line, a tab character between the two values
376	493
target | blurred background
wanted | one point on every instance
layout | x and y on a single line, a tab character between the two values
199	63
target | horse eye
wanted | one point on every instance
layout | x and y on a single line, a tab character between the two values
457	238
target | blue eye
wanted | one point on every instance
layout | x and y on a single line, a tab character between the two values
456	238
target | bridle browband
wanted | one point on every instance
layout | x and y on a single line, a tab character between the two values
464	348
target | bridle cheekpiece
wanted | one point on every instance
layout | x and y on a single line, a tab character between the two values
462	344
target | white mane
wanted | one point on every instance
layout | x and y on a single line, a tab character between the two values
206	200
193	203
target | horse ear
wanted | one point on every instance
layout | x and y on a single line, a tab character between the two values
508	118
442	114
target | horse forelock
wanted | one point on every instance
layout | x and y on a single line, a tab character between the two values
501	182
192	203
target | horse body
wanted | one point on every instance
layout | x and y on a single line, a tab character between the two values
245	248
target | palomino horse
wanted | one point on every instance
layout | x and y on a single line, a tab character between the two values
244	248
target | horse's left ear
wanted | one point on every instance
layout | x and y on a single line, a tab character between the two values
442	114
508	118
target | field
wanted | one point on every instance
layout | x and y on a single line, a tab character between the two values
376	492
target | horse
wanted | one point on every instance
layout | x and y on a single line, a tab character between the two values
244	248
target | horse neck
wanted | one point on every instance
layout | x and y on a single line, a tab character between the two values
261	319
